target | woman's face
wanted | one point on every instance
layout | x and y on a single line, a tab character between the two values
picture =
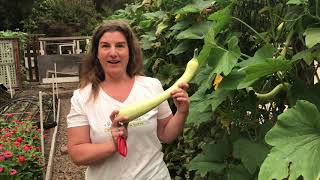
113	53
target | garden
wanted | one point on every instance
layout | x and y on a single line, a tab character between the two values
254	102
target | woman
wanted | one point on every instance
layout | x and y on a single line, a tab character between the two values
111	78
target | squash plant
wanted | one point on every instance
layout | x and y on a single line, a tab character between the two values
255	101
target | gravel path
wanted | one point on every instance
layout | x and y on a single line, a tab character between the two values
63	168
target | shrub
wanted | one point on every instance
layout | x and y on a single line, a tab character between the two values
62	18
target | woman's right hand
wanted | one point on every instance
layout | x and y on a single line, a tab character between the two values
117	127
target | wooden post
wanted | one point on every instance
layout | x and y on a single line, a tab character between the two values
35	57
29	61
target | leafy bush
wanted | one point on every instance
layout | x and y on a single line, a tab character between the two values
62	18
20	152
255	101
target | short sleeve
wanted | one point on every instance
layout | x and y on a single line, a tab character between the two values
164	110
77	116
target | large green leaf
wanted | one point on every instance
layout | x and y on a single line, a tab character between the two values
312	37
196	31
181	25
212	158
265	68
195	7
162	25
204	53
261	55
200	110
306	55
221	18
235	80
202	75
145	24
237	172
181	48
217	97
223	60
196	117
296	145
147	39
297	2
251	153
154	15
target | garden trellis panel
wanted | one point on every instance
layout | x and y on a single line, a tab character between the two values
9	58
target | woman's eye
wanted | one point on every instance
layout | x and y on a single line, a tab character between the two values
120	45
105	45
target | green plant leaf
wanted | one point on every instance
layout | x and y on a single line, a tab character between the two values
145	24
196	31
223	60
202	75
147	40
235	80
296	144
211	159
154	15
181	48
312	36
221	18
297	2
195	7
196	117
251	153
261	55
204	53
238	172
264	68
162	25
181	25
217	97
306	55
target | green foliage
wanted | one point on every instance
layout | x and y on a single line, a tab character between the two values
256	47
12	13
62	18
296	144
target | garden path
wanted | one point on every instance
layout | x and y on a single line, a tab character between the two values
63	168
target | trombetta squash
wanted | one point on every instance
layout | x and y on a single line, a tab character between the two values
140	108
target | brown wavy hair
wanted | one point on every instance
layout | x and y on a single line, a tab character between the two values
91	70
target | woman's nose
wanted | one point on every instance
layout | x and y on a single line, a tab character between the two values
113	51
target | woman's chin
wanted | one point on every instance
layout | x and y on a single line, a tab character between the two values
116	72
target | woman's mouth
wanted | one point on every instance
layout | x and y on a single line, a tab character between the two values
113	62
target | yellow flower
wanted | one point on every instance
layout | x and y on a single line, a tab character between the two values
178	17
217	81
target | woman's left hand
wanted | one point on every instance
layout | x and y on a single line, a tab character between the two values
181	98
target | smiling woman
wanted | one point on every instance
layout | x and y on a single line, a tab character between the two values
111	78
113	55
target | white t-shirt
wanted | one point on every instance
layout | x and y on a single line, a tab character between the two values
144	159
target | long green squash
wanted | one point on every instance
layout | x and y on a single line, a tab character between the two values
138	109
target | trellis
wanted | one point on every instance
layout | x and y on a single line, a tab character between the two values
9	62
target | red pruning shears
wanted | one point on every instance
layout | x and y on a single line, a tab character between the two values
122	146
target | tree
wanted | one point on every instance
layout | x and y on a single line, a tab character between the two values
12	12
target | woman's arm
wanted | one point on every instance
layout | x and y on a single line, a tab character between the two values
82	151
169	128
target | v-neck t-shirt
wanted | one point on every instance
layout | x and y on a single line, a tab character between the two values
145	159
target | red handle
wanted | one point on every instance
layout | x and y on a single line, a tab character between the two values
122	146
